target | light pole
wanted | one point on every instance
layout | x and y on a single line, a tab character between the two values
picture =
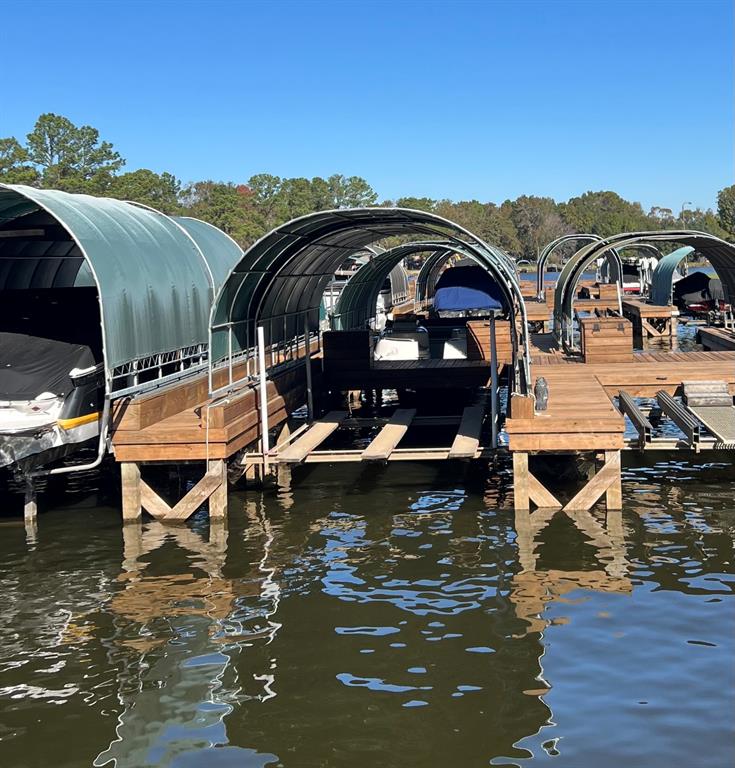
681	215
685	268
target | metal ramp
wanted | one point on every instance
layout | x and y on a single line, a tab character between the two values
711	403
719	420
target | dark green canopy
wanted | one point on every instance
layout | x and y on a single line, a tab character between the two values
155	275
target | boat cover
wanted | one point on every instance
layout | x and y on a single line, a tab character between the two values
30	365
697	288
462	289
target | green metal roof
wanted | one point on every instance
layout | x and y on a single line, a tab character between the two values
356	303
718	252
662	279
156	275
282	277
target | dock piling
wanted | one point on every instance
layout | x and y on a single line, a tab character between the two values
131	497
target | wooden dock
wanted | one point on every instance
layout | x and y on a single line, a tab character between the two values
181	423
651	321
716	339
581	416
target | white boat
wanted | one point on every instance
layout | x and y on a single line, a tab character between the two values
50	395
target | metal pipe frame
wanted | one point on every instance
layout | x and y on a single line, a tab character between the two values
681	416
290	266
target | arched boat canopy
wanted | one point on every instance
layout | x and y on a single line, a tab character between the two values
662	280
155	275
551	247
356	304
431	268
280	280
719	253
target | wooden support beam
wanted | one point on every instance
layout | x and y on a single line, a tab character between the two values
218	497
131	491
386	441
599	484
521	406
467	440
521	493
614	492
30	505
540	496
318	432
212	487
527	488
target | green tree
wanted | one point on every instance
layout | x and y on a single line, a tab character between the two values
537	222
160	191
726	210
352	192
486	220
70	157
296	199
604	214
416	203
662	217
15	167
705	221
267	201
227	206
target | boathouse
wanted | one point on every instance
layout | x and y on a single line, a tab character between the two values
129	283
207	351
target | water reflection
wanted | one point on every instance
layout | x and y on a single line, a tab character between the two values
533	588
392	618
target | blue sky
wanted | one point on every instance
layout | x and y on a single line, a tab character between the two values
485	100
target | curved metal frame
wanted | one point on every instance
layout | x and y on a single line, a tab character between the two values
662	280
399	284
357	301
427	277
550	248
284	274
719	253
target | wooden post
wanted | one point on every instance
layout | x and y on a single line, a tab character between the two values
30	511
132	533
614	492
524	539
218	498
606	481
283	471
520	481
30	506
130	476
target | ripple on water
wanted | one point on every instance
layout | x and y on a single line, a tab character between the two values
466	644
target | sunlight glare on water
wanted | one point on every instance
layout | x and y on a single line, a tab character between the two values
399	616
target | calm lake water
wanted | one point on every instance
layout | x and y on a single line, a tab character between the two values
398	616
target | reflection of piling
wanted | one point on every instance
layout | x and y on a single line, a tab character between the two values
532	589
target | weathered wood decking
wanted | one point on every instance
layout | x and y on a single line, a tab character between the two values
180	423
716	339
652	321
581	415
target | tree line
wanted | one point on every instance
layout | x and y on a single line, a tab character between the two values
60	155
